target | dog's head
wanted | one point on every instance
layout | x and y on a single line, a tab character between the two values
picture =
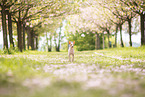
71	44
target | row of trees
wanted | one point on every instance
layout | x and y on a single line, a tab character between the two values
17	12
107	16
53	35
28	17
34	18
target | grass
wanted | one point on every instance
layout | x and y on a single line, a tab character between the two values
95	73
137	53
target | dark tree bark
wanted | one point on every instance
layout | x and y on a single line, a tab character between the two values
142	18
47	42
10	28
4	28
50	46
122	45
28	37
32	40
97	43
98	40
103	40
130	33
116	35
108	35
19	34
144	29
57	45
24	46
59	37
36	42
28	41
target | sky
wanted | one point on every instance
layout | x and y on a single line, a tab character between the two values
135	38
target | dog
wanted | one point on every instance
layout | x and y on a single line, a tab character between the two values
71	51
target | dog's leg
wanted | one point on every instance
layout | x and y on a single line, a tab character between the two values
72	57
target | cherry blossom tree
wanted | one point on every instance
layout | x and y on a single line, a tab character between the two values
138	7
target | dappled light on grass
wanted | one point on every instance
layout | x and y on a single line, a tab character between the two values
91	71
36	82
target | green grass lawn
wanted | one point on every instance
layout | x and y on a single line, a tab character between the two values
98	73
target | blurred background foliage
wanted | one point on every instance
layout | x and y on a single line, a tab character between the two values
48	25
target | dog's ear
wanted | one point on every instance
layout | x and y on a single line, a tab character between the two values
74	42
69	42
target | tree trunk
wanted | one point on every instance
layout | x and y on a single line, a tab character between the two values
24	46
98	37
36	42
4	27
32	40
122	45
19	34
28	38
108	34
47	42
103	41
142	18
116	36
50	46
129	25
144	29
10	29
55	44
58	47
97	43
